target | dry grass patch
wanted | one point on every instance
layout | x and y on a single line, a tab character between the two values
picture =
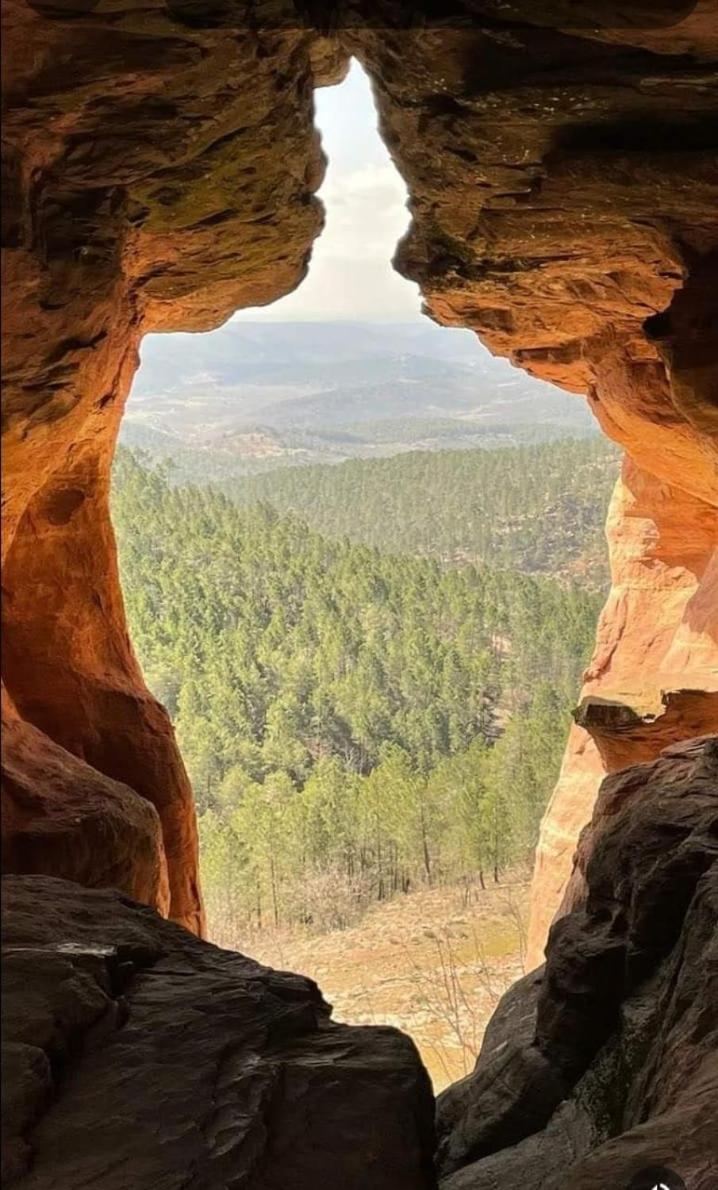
434	963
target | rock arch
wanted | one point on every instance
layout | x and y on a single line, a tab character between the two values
159	172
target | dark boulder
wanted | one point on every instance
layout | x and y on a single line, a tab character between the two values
137	1057
619	1072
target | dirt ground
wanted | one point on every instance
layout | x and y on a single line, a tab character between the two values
434	963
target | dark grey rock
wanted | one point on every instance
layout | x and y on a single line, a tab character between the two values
140	1058
626	1012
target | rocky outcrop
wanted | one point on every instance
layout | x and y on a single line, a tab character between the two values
605	1062
564	190
160	165
60	815
135	1055
654	674
159	174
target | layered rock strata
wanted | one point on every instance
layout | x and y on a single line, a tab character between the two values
564	200
159	173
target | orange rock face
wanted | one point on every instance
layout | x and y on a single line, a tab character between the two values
60	814
160	167
653	678
575	229
159	175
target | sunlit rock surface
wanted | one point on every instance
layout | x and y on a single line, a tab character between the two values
564	187
654	673
159	174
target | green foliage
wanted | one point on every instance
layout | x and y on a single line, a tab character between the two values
537	508
354	722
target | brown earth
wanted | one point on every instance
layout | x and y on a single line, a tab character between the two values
432	963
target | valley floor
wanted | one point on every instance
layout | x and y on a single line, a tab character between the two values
433	963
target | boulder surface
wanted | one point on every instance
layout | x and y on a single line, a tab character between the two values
605	1062
137	1056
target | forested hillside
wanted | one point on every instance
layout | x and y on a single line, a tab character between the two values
539	508
354	722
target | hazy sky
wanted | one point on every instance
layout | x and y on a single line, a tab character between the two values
350	275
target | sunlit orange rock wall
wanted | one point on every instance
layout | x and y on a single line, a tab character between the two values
158	174
159	168
565	206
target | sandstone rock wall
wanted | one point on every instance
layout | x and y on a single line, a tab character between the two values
604	1064
564	187
159	174
653	677
136	1055
160	165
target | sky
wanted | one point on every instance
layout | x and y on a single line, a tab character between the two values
350	275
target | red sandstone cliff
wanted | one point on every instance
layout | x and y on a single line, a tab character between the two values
570	219
158	175
653	678
159	170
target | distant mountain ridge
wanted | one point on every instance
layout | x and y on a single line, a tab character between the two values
328	391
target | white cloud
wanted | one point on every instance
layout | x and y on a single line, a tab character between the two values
366	179
350	274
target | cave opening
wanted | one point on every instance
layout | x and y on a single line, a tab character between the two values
303	502
160	170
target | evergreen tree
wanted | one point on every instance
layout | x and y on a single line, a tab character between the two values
354	722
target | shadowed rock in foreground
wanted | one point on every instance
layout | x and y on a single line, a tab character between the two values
606	1062
136	1057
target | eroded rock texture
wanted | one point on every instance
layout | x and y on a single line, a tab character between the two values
160	173
138	1057
160	164
564	187
606	1062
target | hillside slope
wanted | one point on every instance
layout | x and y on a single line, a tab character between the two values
355	723
328	391
539	509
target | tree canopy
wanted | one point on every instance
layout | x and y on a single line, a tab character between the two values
353	721
536	508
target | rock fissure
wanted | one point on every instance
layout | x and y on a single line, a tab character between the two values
45	1043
